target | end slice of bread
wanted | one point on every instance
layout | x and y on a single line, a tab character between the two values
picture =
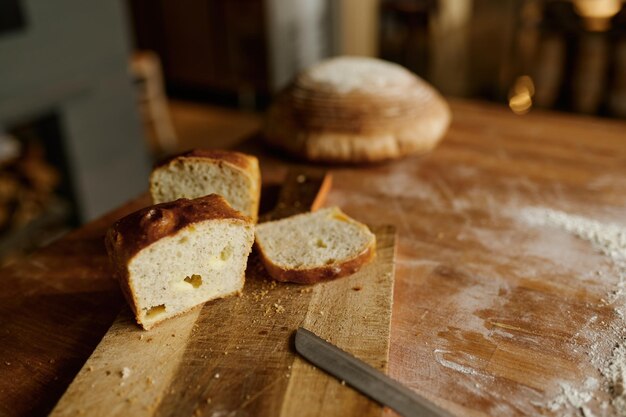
174	256
233	175
314	247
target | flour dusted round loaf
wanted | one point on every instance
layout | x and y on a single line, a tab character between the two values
357	109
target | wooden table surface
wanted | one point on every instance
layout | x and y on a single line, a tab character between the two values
492	315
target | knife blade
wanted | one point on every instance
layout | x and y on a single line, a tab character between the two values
363	377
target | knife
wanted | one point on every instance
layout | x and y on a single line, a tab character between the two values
364	378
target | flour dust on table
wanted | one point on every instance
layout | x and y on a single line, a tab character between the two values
610	240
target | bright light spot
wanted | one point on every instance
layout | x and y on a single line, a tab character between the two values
524	84
597	14
520	103
520	96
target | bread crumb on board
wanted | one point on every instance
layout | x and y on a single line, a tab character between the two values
125	372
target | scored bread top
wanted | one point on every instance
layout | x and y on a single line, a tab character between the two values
238	159
140	229
347	74
356	109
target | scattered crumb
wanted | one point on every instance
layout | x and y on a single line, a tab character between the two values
52	361
248	396
140	337
125	372
216	376
208	401
279	308
321	313
225	353
343	382
300	179
7	363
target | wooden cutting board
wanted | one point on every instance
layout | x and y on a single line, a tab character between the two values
234	356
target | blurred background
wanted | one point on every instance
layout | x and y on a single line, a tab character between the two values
92	93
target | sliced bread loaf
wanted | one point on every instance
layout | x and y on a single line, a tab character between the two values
173	256
200	172
313	247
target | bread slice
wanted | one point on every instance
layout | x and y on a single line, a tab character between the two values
173	256
313	247
200	172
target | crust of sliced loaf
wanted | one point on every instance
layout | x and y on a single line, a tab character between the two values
247	164
138	230
143	227
319	274
356	127
241	160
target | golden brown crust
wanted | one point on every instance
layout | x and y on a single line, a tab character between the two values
241	160
315	122
314	275
142	228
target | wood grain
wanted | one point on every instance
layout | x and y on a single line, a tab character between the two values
490	315
234	356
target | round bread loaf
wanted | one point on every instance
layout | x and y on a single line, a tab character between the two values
357	109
